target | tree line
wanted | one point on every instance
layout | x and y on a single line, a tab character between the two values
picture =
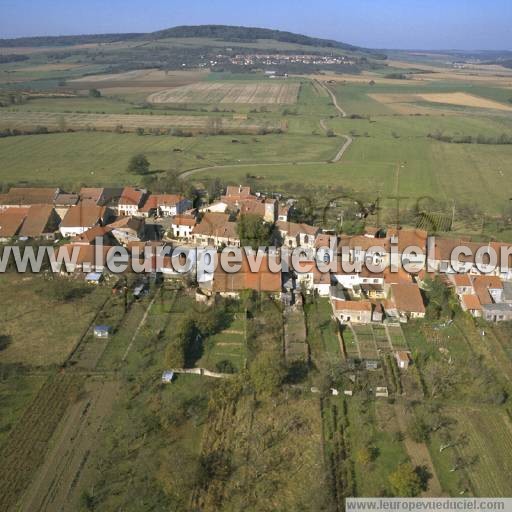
471	139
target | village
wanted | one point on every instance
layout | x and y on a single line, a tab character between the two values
135	218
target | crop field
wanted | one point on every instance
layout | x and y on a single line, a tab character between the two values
140	78
24	120
231	93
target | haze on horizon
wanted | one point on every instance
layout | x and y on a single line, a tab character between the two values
401	24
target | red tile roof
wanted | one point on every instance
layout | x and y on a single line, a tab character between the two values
293	229
11	221
131	196
86	214
408	298
263	280
352	305
184	220
471	302
216	225
29	195
40	219
462	280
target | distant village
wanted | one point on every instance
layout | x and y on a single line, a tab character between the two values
132	217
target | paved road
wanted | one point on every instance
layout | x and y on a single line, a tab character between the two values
337	157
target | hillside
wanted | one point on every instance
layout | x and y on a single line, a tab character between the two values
215	32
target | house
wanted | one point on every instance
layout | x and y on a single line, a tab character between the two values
236	194
321	282
11	221
378	312
393	278
440	258
101	234
91	194
497	312
297	235
266	209
127	229
411	245
216	230
471	304
165	205
463	284
82	217
356	248
42	221
182	226
402	359
408	300
352	311
283	213
83	258
23	197
489	289
261	280
217	207
63	202
130	201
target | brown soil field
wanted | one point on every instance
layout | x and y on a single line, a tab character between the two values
230	92
51	120
465	100
405	103
402	103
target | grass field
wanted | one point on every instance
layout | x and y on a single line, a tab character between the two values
102	158
489	438
40	335
234	92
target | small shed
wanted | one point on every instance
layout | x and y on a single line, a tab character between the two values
167	377
139	291
372	364
403	359
381	391
101	331
94	277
